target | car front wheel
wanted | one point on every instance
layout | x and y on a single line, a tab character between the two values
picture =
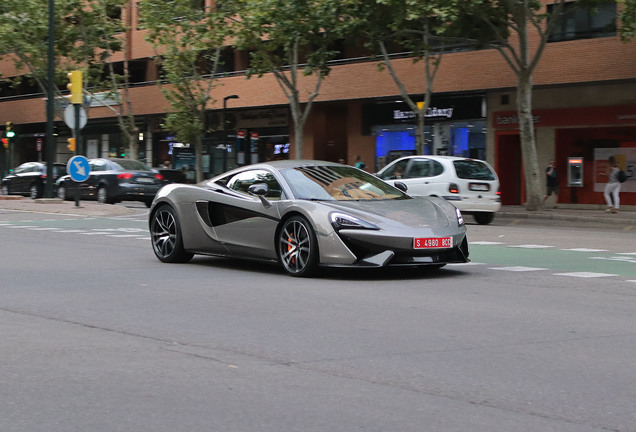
167	240
298	247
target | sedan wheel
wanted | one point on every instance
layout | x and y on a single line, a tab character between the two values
102	196
34	191
298	247
61	192
5	189
167	241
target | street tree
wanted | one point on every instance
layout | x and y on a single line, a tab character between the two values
293	40
519	31
188	41
627	18
85	36
422	30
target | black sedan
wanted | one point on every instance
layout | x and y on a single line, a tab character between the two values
30	179
114	180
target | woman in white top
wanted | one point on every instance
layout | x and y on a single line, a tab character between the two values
612	187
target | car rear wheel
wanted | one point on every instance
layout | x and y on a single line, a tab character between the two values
298	247
34	191
103	196
167	240
484	218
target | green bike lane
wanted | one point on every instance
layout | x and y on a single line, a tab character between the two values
556	260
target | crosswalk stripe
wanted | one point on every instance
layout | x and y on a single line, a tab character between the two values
517	268
585	274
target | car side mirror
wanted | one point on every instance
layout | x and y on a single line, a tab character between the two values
401	186
259	189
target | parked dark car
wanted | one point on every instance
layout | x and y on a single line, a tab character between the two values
114	180
30	179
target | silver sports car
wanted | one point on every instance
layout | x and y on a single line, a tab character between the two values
303	215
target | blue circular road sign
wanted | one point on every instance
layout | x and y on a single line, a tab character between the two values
78	168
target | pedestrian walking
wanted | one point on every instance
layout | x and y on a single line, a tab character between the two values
612	187
552	184
359	164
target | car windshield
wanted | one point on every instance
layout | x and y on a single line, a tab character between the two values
131	165
473	170
339	183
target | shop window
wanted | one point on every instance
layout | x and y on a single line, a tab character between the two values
581	23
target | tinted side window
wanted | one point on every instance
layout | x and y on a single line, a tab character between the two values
242	181
473	170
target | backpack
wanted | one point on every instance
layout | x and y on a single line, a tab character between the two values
622	177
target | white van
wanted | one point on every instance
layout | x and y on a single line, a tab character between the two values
470	184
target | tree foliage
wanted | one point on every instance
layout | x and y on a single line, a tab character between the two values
85	37
292	39
421	29
188	40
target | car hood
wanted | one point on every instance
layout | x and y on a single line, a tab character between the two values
410	213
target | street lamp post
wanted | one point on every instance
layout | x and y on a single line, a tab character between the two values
225	129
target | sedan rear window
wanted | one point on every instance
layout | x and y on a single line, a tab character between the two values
473	170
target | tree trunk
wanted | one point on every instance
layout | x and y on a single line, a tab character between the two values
528	145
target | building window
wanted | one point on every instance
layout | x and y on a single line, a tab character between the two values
581	23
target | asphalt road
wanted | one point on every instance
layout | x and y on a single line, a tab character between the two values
536	334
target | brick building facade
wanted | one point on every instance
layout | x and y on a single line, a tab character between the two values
584	101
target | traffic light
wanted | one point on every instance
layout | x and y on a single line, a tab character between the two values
71	144
9	132
5	142
75	86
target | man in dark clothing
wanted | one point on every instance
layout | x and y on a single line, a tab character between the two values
552	183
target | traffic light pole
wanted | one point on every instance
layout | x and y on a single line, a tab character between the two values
50	105
78	142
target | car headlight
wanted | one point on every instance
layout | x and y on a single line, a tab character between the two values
345	221
460	218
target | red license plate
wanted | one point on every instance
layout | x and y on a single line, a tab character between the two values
433	242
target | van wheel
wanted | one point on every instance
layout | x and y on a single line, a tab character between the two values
484	218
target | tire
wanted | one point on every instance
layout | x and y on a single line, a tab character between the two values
484	218
34	191
62	193
103	197
5	189
167	240
297	247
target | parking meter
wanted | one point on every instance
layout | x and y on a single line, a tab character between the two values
575	172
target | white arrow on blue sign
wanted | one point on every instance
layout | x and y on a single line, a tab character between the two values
78	168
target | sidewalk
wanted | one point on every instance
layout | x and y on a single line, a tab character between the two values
568	213
626	217
56	205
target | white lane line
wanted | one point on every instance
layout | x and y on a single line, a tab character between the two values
123	235
43	229
71	231
585	250
626	253
585	274
616	258
518	268
532	246
485	243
